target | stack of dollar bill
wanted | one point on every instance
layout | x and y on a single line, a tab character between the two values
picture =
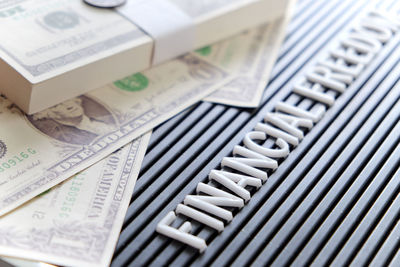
57	50
67	173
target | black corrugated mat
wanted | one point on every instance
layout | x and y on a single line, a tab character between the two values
334	200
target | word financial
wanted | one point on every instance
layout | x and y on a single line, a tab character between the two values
327	81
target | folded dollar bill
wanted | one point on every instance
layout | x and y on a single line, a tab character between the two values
55	50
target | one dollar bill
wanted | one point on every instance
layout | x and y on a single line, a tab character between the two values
76	223
39	151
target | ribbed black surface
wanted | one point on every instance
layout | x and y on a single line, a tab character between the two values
334	200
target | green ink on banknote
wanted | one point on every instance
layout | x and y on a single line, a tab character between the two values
133	83
205	51
70	198
16	159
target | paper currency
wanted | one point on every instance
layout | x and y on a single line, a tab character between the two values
62	33
39	151
59	49
249	57
76	223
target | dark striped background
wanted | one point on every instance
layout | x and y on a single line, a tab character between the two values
334	200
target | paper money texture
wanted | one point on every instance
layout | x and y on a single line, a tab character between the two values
39	151
76	223
56	50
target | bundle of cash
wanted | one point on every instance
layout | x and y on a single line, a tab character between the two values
58	50
64	190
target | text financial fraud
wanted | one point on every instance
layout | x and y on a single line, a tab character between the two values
250	163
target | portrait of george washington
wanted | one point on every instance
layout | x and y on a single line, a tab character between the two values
76	121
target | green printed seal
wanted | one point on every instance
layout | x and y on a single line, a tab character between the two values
133	83
205	51
3	149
